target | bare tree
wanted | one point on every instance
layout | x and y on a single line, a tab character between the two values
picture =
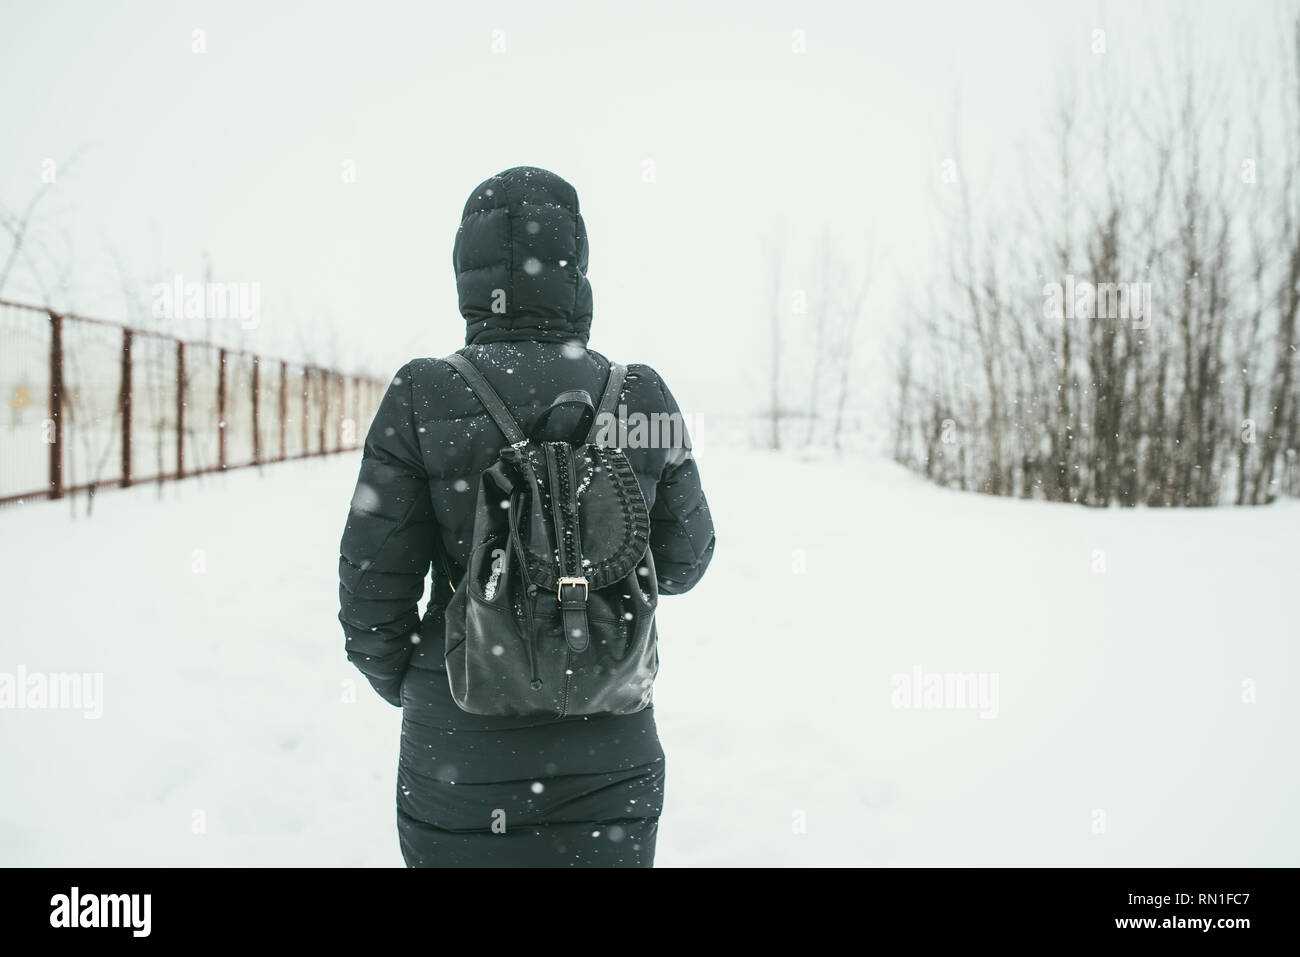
1082	405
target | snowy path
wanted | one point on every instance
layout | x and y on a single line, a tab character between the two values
1118	691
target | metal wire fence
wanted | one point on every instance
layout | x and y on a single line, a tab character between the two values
96	404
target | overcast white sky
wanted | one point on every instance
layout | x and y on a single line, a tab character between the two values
238	151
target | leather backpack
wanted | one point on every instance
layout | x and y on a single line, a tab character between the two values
555	612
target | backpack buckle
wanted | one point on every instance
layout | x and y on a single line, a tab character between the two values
561	582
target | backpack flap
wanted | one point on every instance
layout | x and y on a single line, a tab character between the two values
614	523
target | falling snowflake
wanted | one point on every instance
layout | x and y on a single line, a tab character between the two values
365	498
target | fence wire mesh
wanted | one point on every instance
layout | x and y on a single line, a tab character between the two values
95	404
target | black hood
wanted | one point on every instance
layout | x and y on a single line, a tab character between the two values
521	260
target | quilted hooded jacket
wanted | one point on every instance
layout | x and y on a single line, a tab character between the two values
521	272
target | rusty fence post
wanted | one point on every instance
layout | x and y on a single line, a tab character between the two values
56	405
284	409
221	409
332	410
124	407
342	382
257	404
180	409
306	410
356	411
323	388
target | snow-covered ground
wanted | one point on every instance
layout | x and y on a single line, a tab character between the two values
1122	645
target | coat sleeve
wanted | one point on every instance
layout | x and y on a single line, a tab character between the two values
387	546
681	528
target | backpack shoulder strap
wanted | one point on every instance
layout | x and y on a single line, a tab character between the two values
488	396
608	400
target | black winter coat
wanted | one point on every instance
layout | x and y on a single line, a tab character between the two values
485	791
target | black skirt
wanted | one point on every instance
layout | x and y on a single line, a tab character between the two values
477	791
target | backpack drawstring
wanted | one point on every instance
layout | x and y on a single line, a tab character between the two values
517	545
